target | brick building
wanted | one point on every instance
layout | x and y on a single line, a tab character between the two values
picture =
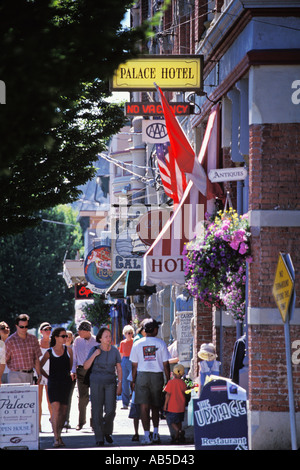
252	68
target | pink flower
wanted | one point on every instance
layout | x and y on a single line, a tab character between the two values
235	244
243	248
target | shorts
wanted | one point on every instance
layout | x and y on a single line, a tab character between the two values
174	417
149	388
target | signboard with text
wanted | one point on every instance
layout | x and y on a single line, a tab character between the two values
19	416
98	269
184	337
169	72
220	416
283	287
155	109
227	174
83	292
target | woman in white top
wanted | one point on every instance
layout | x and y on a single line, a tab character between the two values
45	331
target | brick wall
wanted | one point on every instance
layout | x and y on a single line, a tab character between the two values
274	185
207	331
203	331
274	166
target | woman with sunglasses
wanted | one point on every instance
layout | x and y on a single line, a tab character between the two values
60	359
125	349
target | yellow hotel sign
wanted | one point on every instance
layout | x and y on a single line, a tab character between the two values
283	287
177	72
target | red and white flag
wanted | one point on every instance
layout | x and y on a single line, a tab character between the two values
173	179
182	150
184	154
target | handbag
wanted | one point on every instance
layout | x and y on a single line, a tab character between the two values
86	379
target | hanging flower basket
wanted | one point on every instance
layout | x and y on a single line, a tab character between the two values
215	263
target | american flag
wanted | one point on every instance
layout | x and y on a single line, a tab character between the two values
173	179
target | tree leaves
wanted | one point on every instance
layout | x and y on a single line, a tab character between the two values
56	60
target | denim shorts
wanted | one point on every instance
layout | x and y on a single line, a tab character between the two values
149	388
174	417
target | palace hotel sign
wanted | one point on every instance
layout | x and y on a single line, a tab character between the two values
174	72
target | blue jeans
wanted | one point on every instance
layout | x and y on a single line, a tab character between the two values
126	369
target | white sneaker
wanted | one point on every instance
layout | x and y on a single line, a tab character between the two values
146	441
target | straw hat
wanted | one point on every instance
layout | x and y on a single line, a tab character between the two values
207	352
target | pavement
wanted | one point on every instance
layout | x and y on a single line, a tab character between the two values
122	435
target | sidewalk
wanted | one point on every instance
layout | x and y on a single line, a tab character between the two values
122	435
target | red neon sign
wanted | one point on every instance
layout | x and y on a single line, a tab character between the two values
155	109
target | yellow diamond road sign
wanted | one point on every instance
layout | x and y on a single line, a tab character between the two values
283	287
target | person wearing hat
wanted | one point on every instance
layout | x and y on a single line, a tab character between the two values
209	365
175	403
150	361
84	342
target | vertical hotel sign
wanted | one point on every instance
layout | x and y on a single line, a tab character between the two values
174	72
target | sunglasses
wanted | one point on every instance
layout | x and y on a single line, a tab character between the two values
22	326
46	329
129	333
62	336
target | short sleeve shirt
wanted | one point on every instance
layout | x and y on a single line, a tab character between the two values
176	388
104	365
125	347
150	353
21	354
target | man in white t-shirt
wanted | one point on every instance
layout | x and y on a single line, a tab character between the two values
150	361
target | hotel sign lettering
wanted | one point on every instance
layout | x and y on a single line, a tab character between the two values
169	72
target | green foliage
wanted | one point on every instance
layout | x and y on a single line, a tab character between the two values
30	263
98	312
56	60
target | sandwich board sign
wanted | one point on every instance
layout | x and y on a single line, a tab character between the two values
19	417
220	416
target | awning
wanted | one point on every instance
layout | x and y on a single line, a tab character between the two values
129	283
73	272
117	287
163	263
133	285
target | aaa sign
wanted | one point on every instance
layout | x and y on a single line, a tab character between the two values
169	72
283	287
